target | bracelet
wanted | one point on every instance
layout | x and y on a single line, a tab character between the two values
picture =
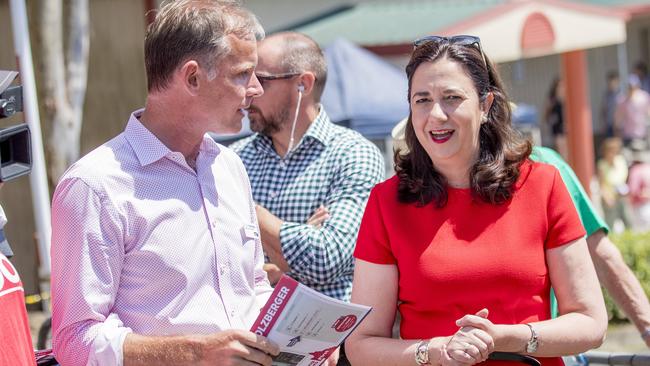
645	334
422	352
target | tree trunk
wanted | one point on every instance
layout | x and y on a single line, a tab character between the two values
64	83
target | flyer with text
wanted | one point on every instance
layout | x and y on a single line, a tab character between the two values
307	325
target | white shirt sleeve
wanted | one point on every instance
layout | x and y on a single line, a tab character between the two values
106	349
87	257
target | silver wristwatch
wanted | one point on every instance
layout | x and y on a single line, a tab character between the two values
531	346
422	352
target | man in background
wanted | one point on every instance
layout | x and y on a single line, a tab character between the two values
310	178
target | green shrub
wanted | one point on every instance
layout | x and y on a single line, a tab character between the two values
635	248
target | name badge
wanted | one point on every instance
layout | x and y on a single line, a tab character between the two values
250	232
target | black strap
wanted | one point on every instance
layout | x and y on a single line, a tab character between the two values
516	357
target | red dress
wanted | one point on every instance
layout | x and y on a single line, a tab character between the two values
469	254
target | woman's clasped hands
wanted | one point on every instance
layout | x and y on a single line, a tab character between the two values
469	345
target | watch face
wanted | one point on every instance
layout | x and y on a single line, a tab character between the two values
531	346
422	354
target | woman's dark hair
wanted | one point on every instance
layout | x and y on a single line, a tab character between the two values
501	148
552	90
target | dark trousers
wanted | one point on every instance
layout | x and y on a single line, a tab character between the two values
343	359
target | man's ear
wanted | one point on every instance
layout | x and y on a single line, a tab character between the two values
189	73
307	80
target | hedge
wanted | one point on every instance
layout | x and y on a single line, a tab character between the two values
635	248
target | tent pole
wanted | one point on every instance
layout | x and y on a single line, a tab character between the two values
38	176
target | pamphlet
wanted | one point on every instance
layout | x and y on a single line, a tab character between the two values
307	325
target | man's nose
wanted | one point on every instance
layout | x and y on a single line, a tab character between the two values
254	88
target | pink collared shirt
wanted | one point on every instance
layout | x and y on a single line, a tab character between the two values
142	243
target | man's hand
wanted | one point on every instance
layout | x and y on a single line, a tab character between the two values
320	215
273	272
228	347
334	358
236	347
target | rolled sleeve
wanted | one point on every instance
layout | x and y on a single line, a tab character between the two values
87	256
106	348
321	254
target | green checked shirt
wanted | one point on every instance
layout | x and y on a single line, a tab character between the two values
331	166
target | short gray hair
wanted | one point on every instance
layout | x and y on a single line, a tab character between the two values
301	53
194	29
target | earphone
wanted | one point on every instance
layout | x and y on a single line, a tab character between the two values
301	89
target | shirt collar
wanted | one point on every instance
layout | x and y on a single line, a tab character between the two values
319	130
320	127
148	148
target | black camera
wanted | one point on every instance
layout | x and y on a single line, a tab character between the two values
15	141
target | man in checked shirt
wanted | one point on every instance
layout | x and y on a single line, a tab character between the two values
310	178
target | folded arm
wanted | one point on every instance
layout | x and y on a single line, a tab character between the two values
322	253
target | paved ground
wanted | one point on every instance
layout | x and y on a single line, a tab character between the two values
624	338
620	338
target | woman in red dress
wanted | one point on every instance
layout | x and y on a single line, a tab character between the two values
467	239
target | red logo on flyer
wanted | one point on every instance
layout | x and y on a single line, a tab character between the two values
344	323
319	356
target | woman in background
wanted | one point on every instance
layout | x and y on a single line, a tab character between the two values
554	116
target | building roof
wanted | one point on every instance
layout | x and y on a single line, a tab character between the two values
509	30
393	23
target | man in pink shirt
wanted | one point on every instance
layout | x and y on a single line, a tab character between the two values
156	256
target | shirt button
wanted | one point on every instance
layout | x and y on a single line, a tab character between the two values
283	164
214	223
232	313
222	270
273	194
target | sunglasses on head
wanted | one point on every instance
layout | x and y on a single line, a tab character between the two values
463	40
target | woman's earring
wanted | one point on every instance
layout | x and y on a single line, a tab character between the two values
484	118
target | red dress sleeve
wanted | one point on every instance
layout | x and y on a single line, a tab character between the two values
373	244
564	225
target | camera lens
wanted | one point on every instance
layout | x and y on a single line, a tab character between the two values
7	108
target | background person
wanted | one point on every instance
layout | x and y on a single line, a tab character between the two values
310	177
554	115
156	259
605	126
638	182
641	70
15	337
454	204
612	176
614	275
632	112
